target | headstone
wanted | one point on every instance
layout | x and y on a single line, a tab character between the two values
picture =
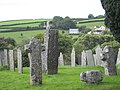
73	58
44	61
51	51
1	58
11	60
61	60
79	59
98	50
91	77
108	57
19	57
90	59
118	57
5	61
94	56
83	59
35	62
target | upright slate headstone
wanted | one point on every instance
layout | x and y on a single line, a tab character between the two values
90	59
118	58
6	62
1	57
98	51
79	59
19	57
61	60
94	56
35	62
12	68
108	56
73	58
83	59
51	51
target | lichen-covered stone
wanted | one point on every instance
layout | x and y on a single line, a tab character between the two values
92	77
108	56
34	49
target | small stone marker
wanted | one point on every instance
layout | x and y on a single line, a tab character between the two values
108	57
83	59
98	51
6	62
90	59
118	59
61	60
91	77
19	57
12	68
73	58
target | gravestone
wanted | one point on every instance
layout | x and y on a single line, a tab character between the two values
44	61
12	68
98	50
79	59
73	58
19	58
90	59
118	57
51	51
94	56
5	61
35	62
1	55
61	60
83	59
108	57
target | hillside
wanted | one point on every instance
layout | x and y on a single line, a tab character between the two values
90	23
20	25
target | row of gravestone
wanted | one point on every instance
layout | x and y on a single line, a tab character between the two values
105	57
87	58
7	58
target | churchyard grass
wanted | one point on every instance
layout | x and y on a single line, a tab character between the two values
66	79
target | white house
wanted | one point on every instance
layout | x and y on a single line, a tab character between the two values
74	31
98	30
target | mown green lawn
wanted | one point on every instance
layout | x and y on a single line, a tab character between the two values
66	79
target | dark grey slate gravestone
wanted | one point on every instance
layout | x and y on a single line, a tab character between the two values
51	51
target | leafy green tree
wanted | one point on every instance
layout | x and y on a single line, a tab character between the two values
7	43
65	46
90	16
63	23
89	41
112	18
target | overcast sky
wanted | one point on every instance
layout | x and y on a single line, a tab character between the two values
35	9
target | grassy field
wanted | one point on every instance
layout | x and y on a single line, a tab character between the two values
91	24
27	35
20	21
66	79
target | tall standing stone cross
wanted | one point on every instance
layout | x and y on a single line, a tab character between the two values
34	50
108	57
